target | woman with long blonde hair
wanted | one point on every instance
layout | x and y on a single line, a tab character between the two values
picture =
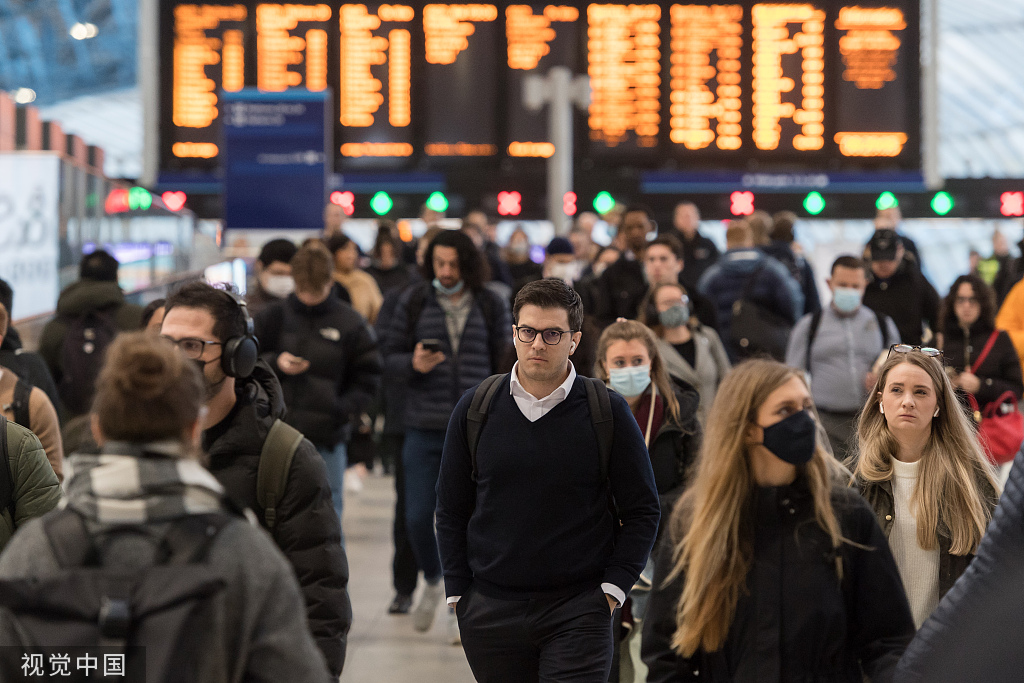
923	472
773	570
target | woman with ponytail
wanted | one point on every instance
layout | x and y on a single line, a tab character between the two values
772	569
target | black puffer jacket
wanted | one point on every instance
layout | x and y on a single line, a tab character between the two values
797	622
674	449
975	633
908	298
344	364
880	497
999	372
307	531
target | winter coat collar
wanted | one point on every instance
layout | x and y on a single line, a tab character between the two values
259	402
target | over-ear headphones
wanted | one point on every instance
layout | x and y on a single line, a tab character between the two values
239	356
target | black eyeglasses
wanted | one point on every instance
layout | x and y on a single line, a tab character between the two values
193	348
907	348
550	337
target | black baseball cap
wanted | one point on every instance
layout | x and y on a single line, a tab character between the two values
883	245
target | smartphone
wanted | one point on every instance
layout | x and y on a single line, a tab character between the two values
432	345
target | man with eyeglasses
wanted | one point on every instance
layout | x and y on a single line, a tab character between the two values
203	321
535	560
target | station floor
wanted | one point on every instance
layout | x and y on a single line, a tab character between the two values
383	648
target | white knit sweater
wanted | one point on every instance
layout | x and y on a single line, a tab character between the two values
919	568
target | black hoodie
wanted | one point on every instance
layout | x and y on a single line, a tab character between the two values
308	531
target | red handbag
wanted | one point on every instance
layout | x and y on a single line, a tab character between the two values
1000	424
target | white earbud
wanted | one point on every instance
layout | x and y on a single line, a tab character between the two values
881	409
936	413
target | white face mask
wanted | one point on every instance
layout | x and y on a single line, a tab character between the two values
567	272
279	286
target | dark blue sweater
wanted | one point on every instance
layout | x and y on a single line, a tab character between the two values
537	519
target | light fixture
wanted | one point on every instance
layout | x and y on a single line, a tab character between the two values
83	31
24	95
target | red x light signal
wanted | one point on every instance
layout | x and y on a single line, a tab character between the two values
569	204
509	203
346	200
741	203
1011	203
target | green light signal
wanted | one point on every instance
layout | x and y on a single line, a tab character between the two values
604	202
437	202
381	203
942	203
814	203
139	199
886	200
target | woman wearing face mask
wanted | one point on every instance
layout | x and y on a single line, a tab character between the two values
691	351
665	408
771	569
922	470
981	359
517	255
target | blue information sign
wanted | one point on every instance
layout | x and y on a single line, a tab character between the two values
276	158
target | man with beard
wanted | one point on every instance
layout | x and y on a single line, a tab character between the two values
243	400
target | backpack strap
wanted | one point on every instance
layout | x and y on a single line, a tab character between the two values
883	327
69	538
413	310
811	334
275	463
189	538
6	475
477	415
20	403
601	417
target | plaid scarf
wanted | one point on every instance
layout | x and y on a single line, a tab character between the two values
139	483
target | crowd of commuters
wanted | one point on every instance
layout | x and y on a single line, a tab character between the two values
648	461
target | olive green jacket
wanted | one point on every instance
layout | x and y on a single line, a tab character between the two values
36	490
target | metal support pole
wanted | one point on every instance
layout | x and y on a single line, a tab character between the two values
560	133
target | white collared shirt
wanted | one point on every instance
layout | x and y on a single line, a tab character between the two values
533	409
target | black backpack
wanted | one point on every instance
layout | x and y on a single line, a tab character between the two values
600	416
162	618
19	405
81	357
755	329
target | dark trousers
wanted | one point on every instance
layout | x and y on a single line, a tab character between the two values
421	457
403	566
565	639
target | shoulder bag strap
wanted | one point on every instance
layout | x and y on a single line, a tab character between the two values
20	405
6	475
601	417
477	415
275	462
811	334
985	351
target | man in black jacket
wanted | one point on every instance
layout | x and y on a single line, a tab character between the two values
241	411
326	358
699	252
899	290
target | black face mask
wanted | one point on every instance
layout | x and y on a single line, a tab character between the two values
793	439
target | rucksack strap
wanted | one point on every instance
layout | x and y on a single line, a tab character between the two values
6	475
477	415
275	462
189	538
883	326
69	539
20	403
811	334
601	417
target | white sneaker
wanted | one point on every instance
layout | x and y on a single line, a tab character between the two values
454	635
353	482
426	608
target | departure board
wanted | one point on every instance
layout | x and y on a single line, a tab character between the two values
423	85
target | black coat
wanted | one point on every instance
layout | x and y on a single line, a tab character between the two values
308	531
699	254
674	449
797	621
880	497
974	634
345	365
999	372
908	298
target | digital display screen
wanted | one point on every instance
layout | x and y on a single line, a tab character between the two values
427	85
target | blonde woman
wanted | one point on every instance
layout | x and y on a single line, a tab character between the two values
773	570
922	470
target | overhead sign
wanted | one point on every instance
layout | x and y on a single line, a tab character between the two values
276	158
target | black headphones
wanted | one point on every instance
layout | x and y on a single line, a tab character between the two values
238	358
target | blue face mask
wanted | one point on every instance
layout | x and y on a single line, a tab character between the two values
846	299
631	381
677	316
448	291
